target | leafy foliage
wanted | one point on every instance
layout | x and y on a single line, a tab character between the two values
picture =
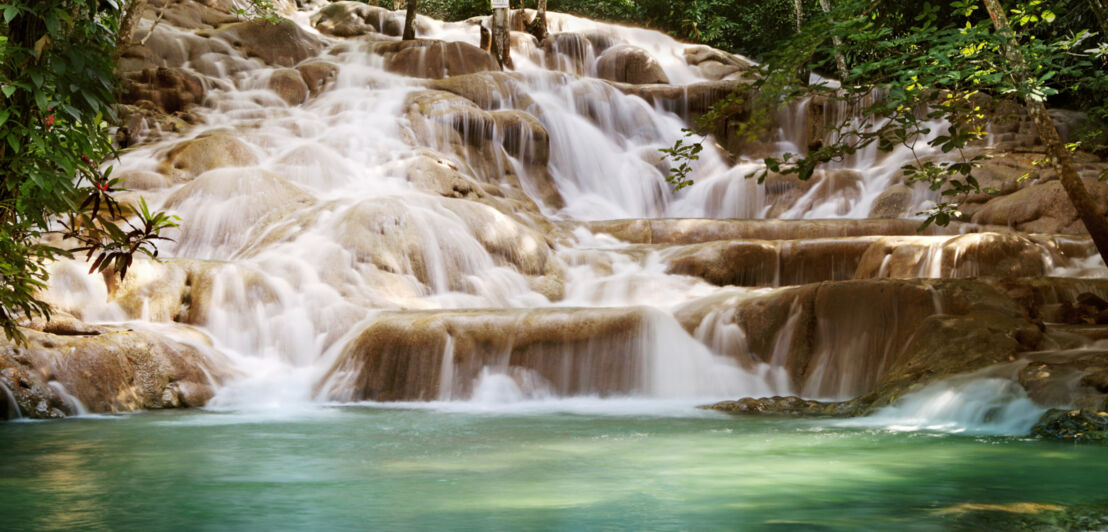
57	90
751	27
683	154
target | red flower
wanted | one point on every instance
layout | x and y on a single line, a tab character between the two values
50	120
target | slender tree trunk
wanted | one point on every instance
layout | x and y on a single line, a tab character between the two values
798	6
1083	203
537	27
1100	9
131	17
409	21
840	61
501	37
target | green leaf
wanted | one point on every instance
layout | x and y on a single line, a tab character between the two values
8	90
10	12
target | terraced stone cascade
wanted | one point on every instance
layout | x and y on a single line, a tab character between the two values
370	219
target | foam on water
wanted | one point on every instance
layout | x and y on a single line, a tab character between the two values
983	405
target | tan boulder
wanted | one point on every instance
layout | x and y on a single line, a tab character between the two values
191	158
169	89
109	370
1042	208
630	64
894	202
279	44
318	75
289	86
488	90
351	19
433	59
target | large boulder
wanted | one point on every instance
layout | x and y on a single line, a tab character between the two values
289	86
351	19
107	370
1042	208
433	59
318	75
488	90
169	90
278	44
190	158
716	64
630	64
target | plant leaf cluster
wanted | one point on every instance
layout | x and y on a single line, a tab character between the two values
57	89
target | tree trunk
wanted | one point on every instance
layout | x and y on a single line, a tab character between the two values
840	61
537	27
409	21
798	6
501	37
1100	9
131	17
1082	202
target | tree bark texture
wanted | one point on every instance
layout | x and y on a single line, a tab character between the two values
840	61
501	37
131	17
798	6
537	27
1100	9
409	21
1083	202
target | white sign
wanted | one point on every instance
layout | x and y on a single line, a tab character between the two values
498	4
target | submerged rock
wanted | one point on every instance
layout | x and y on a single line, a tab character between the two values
1073	425
782	406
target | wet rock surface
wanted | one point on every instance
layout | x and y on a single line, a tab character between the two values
106	369
782	406
1073	425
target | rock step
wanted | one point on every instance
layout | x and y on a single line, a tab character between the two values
427	355
105	369
754	262
699	230
876	339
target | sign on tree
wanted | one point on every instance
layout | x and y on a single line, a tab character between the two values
498	4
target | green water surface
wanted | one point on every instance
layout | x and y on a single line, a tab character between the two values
366	467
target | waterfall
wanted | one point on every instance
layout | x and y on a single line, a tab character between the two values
394	234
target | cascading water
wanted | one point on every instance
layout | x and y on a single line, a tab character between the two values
387	193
